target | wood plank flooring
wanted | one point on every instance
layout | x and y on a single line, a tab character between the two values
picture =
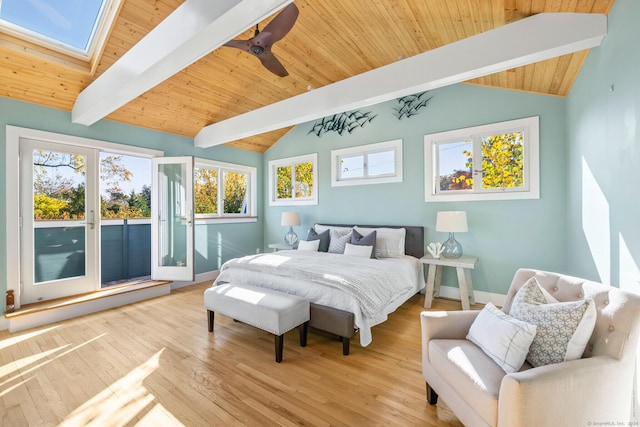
155	363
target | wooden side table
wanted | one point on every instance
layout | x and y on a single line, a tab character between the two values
463	266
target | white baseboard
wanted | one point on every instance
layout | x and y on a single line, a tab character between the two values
199	278
481	297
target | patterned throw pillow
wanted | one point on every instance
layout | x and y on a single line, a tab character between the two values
556	323
338	240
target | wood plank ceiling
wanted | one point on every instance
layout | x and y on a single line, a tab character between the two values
331	41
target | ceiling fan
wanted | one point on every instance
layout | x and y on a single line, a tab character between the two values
260	44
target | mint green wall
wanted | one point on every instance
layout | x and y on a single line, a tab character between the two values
214	243
505	235
603	129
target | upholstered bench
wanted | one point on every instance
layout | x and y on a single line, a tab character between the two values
266	309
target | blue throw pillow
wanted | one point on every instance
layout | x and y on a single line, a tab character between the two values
323	237
368	240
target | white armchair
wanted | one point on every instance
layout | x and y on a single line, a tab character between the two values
594	389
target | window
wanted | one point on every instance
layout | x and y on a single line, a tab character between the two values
292	181
491	162
367	164
73	29
224	191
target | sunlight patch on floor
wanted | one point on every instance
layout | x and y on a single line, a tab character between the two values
119	403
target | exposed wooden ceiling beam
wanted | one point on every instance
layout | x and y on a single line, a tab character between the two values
192	31
533	39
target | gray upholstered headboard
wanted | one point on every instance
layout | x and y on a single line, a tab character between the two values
413	242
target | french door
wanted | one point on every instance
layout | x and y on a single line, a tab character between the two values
172	219
59	217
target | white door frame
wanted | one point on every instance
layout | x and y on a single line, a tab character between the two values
12	189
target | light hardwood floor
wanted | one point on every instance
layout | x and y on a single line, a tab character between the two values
155	363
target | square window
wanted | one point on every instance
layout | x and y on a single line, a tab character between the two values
491	162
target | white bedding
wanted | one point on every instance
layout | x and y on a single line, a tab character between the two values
368	288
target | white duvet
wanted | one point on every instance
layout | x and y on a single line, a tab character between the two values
368	288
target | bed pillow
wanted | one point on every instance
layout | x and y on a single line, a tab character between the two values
338	240
564	328
321	227
323	237
389	241
358	250
368	240
308	245
505	339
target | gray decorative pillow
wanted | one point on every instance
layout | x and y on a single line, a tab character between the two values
338	240
556	323
368	240
323	237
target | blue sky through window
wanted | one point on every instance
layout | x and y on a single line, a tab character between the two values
67	22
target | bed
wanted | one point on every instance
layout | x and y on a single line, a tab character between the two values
347	294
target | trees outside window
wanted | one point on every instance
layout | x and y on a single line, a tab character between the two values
223	190
292	181
489	162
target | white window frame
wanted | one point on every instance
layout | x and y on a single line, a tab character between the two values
293	161
531	166
252	190
365	150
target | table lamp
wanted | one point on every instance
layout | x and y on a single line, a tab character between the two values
290	219
452	222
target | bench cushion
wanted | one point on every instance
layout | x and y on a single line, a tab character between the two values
269	310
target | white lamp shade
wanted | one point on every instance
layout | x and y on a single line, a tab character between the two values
452	222
290	219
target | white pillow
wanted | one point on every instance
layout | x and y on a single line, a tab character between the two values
564	328
389	241
358	251
504	339
320	228
310	246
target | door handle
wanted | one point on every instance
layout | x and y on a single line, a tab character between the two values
92	219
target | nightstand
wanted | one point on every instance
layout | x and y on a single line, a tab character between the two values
279	247
463	266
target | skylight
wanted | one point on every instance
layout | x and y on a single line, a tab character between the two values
70	25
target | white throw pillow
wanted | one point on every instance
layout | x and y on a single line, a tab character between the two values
504	339
389	241
358	251
564	328
320	228
310	246
338	240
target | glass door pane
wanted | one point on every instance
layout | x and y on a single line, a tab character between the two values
172	219
58	212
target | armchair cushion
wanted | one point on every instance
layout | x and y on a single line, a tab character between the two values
505	339
563	328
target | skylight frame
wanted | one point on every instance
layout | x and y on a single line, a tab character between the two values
106	16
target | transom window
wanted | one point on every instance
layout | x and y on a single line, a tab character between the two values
367	164
495	161
223	190
292	181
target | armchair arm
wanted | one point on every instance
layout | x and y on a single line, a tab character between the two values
445	324
577	392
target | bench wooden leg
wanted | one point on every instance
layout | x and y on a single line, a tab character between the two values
279	341
210	320
345	345
303	333
432	396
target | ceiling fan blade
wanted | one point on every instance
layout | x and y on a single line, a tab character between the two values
239	44
272	64
281	24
